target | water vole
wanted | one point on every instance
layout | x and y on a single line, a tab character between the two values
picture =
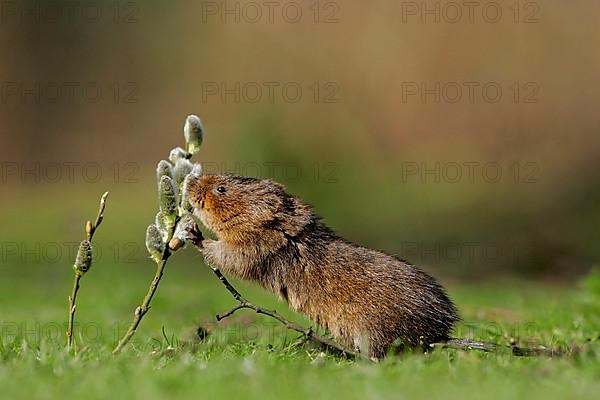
367	299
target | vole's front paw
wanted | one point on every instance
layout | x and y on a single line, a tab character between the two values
187	231
195	236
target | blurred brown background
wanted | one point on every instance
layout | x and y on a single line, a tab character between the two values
381	138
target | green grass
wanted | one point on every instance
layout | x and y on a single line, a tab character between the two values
252	357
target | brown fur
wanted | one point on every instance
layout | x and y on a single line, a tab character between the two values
365	298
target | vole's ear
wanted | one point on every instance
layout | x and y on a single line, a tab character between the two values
297	216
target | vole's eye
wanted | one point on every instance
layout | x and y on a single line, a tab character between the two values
221	189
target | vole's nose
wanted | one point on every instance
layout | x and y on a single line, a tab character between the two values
195	190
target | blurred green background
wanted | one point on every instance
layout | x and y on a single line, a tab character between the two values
495	191
356	143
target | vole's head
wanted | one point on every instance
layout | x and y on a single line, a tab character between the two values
238	208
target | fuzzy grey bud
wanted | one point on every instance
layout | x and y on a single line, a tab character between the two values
185	204
164	168
178	153
185	226
163	224
181	169
154	243
167	196
83	262
184	232
194	133
185	195
196	170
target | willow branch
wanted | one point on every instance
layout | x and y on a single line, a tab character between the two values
72	306
143	309
307	332
90	229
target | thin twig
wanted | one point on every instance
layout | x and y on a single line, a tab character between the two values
307	332
72	298
90	229
99	217
467	344
459	344
141	310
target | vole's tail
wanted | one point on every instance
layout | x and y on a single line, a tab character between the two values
467	344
